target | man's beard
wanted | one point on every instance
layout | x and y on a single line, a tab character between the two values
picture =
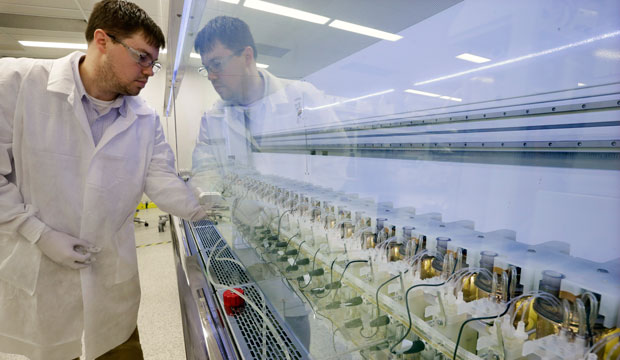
108	78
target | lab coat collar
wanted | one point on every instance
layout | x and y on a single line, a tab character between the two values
61	78
273	94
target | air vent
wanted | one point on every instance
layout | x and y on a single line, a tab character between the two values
247	324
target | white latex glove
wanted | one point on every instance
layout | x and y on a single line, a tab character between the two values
212	201
66	250
252	212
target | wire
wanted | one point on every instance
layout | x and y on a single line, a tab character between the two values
458	339
409	312
331	278
380	286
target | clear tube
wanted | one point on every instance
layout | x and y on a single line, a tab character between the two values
247	300
601	343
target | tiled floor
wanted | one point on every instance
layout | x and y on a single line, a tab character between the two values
159	320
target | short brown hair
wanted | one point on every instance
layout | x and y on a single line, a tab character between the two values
232	32
123	19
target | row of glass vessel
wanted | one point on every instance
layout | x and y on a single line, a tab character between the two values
403	285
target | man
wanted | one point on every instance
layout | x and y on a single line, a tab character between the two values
77	150
253	101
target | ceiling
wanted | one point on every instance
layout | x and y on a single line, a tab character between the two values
292	48
58	21
295	49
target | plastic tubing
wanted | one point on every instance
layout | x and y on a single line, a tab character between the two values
581	311
264	346
591	316
247	300
601	343
409	312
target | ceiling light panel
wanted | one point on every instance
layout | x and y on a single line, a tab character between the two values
418	92
473	58
57	45
285	11
230	1
343	25
424	93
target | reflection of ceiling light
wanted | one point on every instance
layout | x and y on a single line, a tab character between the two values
369	95
418	92
285	11
521	58
473	58
57	45
424	93
350	100
194	55
230	1
451	98
343	25
322	106
608	54
261	66
163	51
581	84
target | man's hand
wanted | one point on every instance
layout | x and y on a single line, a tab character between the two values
66	250
253	213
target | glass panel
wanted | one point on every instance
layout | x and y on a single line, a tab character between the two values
465	157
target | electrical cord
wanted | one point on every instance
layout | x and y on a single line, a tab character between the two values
313	264
458	339
380	286
247	300
331	278
345	269
409	312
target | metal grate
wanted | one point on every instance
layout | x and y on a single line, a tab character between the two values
209	237
203	223
247	324
226	272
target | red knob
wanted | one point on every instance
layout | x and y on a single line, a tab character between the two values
231	299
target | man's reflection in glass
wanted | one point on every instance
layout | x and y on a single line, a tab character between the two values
253	102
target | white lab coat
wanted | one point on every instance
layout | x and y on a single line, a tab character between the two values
286	105
52	173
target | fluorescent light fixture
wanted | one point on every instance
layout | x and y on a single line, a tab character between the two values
285	11
369	95
261	66
451	98
521	58
187	5
194	55
322	106
581	84
230	1
473	58
163	51
424	93
57	45
418	92
343	25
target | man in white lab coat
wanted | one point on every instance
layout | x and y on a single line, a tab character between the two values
77	150
253	101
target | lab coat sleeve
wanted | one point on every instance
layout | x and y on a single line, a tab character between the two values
164	187
15	215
